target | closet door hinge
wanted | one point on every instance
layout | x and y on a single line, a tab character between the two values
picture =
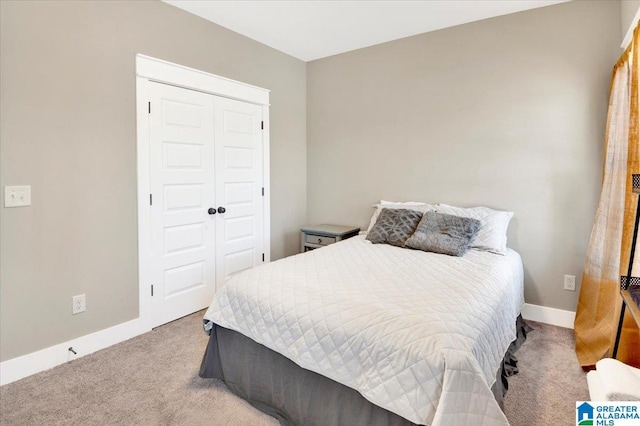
263	257
150	199
263	191
151	290
262	125
149	107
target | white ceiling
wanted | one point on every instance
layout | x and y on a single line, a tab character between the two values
311	30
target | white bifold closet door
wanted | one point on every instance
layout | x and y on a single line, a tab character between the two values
206	196
239	183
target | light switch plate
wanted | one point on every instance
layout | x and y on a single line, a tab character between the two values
17	196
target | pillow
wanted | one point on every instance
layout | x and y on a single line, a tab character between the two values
394	226
405	203
410	205
492	235
444	233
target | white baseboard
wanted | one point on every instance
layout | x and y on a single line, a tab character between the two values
26	365
546	315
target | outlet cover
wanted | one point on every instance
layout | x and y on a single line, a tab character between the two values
570	282
79	304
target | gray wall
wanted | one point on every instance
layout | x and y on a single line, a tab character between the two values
508	112
628	9
67	98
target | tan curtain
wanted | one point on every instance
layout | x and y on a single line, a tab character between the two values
607	258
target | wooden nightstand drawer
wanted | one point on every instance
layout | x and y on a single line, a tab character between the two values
317	236
320	240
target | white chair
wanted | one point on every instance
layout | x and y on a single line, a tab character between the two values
613	380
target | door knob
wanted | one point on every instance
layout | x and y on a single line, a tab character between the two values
221	210
211	210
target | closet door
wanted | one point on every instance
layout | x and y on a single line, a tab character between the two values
181	133
239	183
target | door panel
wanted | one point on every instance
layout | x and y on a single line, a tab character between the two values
239	183
206	151
182	183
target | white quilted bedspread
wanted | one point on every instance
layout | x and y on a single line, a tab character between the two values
419	334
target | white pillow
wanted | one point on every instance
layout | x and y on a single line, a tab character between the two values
409	205
492	235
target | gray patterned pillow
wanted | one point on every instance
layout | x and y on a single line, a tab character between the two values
444	233
394	227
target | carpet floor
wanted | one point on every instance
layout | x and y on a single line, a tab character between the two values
153	380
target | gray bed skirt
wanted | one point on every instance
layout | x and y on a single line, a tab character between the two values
295	396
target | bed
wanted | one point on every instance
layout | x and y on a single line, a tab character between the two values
360	333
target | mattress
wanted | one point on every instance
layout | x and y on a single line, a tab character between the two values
419	334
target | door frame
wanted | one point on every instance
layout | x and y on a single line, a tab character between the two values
151	69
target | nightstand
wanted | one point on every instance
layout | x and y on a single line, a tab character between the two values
316	236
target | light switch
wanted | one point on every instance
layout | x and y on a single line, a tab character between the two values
17	196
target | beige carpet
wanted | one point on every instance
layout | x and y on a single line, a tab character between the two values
550	380
153	380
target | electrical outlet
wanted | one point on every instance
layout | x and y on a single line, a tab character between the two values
570	282
79	304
